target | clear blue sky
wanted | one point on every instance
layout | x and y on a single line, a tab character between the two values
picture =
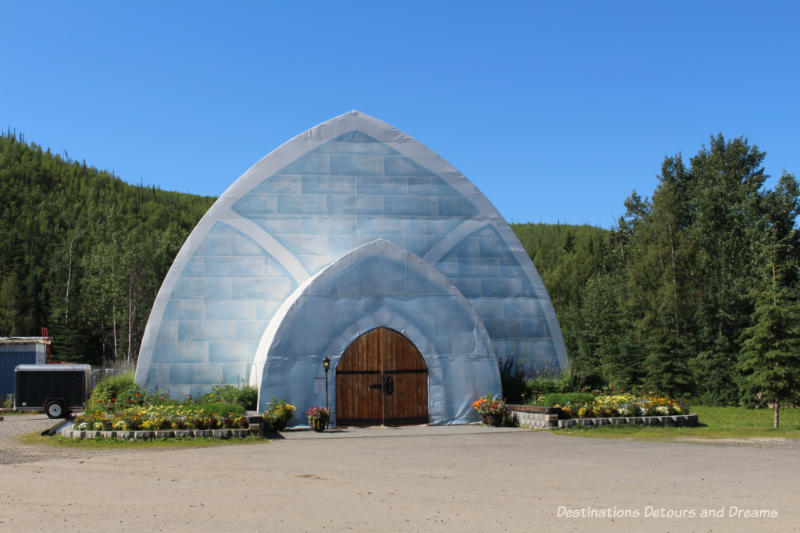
556	110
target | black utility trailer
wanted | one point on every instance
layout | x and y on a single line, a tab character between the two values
54	389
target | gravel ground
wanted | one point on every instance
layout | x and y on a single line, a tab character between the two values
416	479
13	426
400	479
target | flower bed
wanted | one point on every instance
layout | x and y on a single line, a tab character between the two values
165	416
592	409
615	405
530	417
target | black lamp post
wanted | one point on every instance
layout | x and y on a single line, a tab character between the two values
326	364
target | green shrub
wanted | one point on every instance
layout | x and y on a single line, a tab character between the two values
566	382
520	385
245	396
576	382
562	398
248	398
541	385
119	390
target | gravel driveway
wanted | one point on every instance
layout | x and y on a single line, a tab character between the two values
13	426
419	479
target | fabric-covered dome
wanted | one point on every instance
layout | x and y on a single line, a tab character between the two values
350	191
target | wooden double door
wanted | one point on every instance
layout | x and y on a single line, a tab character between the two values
381	379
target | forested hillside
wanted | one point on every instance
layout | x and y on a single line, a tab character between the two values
567	257
82	252
693	293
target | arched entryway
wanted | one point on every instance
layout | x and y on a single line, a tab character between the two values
377	285
381	379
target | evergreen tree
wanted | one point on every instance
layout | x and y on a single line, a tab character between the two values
770	358
569	244
666	365
687	258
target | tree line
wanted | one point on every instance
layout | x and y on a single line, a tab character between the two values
694	292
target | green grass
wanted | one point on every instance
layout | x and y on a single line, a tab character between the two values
115	444
714	423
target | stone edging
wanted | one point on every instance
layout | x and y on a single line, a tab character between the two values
667	420
534	409
161	434
539	420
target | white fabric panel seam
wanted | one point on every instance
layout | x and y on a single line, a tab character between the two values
274	248
452	238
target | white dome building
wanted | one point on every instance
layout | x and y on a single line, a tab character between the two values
354	242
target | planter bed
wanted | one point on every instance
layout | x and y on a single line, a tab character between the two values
535	409
535	417
666	420
160	434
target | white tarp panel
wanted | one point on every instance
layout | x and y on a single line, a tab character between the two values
345	183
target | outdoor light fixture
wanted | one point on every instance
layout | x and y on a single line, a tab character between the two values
326	364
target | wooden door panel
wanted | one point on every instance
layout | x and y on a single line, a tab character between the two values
360	367
399	353
363	354
356	402
362	373
409	402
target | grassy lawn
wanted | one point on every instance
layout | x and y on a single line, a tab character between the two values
714	423
105	444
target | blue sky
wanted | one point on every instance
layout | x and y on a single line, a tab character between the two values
556	110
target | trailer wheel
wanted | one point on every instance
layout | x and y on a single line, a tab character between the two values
54	409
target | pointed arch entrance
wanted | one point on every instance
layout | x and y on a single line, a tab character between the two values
381	379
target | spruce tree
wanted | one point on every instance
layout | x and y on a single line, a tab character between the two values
569	243
770	356
666	365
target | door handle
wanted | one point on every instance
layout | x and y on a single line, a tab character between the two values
388	385
375	386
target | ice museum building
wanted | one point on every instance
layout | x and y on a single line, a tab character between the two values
356	243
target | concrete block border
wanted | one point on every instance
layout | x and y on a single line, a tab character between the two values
547	418
670	420
162	434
